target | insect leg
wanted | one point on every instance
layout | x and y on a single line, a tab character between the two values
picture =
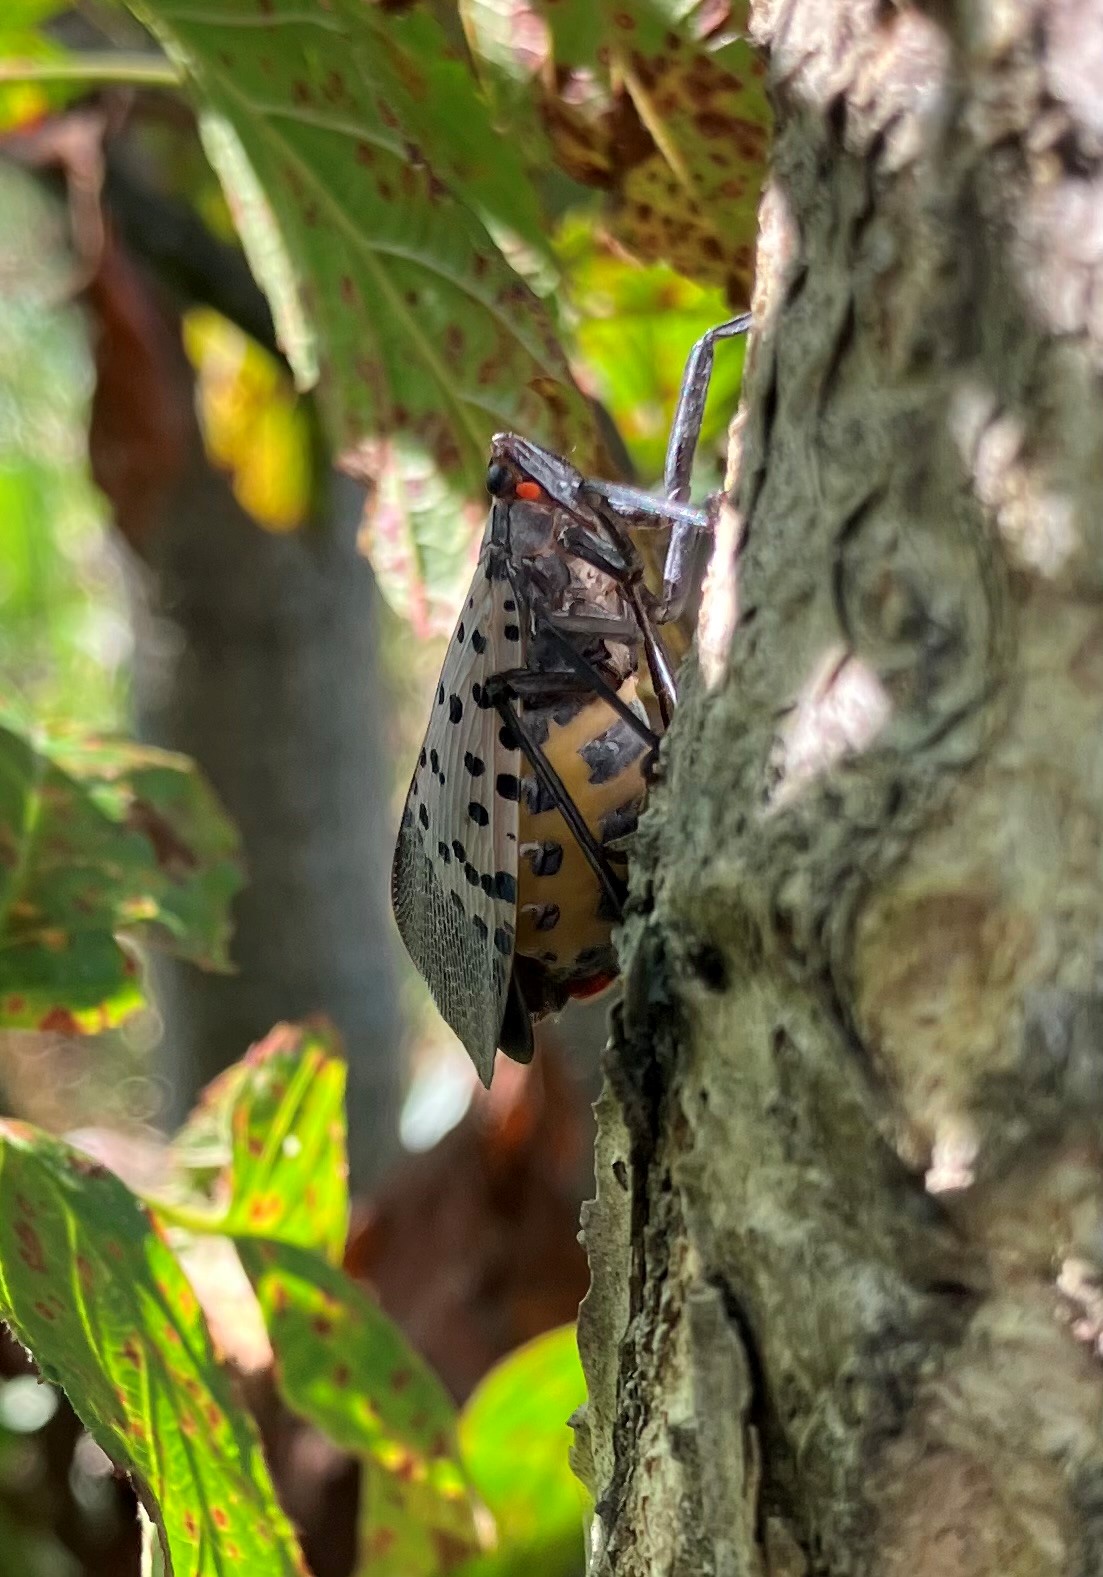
620	561
549	778
680	571
555	633
689	413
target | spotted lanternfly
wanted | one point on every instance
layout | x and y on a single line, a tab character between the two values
509	872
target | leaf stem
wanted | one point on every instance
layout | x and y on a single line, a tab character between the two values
144	68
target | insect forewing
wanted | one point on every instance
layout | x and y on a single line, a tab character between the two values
454	877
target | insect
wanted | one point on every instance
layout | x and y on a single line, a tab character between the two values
510	867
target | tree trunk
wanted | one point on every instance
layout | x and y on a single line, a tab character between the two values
844	1316
255	654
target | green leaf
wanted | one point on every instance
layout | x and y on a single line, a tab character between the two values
274	1127
373	148
514	1438
635	330
100	838
98	1298
342	1364
22	39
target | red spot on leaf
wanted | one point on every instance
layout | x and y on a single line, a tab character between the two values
30	1247
451	1552
321	1326
341	1375
400	1379
15	1004
381	1541
219	1517
191	1527
131	1352
45	1311
60	1021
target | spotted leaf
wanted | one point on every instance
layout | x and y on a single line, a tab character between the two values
271	1129
671	120
386	271
95	1294
101	839
343	1365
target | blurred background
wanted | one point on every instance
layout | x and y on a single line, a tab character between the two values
182	562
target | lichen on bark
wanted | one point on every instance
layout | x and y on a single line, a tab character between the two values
844	1316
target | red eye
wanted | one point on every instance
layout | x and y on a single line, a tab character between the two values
532	491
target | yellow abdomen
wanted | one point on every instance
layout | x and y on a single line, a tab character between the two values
564	920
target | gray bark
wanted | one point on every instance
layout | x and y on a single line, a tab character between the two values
844	1316
255	654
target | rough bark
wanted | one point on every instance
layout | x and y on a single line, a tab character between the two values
842	1317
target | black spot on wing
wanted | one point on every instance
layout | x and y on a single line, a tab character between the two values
445	853
503	940
460	632
481	697
480	925
609	753
512	632
508	785
434	760
478	813
455	708
536	797
619	823
478	641
546	859
458	850
471	873
423	815
474	764
505	886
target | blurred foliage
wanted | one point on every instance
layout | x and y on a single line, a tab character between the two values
23	37
518	1414
63	636
102	840
253	425
129	1345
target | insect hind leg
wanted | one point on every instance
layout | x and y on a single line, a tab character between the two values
502	698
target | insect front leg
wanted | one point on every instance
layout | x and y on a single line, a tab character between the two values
679	572
688	526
